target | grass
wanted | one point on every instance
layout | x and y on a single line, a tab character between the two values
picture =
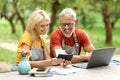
7	55
5	32
96	34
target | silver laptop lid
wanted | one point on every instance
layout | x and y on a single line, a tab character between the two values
101	57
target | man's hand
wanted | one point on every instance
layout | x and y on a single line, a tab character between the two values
65	63
87	56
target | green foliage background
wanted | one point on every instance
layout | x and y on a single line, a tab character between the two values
94	21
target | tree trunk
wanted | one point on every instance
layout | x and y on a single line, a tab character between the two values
12	26
108	26
84	18
9	18
20	17
113	22
55	6
21	20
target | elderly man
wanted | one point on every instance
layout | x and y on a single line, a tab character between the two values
70	38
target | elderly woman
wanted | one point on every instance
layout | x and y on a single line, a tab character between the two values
32	40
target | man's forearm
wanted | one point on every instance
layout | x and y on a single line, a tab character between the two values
78	58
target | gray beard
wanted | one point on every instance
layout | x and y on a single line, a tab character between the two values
68	36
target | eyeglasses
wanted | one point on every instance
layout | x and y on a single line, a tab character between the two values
66	24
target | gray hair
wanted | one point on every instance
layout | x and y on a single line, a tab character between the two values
68	12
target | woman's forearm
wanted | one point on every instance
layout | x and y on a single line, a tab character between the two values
42	63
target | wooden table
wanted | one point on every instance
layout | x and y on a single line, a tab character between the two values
111	72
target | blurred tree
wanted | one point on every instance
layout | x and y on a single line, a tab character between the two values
108	26
114	12
54	9
83	9
10	11
18	8
19	13
110	13
14	10
110	17
8	15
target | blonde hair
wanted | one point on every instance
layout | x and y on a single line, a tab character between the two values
34	19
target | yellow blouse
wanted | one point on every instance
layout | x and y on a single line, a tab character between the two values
27	39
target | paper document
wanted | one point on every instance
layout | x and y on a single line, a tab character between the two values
59	51
115	60
64	71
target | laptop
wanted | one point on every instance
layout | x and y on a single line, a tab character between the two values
99	57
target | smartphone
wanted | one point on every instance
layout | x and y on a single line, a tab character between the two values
41	69
65	56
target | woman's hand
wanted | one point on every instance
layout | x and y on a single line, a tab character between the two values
62	62
24	52
56	61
